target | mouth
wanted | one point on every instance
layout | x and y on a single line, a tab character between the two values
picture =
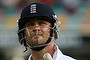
36	37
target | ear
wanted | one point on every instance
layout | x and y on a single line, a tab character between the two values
55	34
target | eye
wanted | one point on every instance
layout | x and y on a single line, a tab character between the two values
30	24
42	23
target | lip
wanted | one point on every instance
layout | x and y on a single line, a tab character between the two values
36	37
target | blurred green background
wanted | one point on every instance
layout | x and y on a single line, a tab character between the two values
74	37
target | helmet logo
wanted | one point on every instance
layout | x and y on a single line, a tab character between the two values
33	8
55	17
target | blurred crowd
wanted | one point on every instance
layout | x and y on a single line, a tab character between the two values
75	27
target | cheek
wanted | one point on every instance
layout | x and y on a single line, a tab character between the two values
46	34
47	30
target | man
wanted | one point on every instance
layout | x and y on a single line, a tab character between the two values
38	28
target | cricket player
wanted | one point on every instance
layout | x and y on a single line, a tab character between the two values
38	27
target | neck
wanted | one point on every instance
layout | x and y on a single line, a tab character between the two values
38	55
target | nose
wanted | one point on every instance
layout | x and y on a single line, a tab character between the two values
37	27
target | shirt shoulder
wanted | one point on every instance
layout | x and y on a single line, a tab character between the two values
60	56
65	57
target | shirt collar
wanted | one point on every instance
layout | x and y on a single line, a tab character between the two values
57	53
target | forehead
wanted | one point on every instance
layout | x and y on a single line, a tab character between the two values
38	20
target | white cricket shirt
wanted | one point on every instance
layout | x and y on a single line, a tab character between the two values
58	55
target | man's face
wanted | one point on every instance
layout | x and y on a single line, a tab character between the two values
37	32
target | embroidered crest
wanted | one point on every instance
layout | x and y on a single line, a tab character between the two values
33	8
